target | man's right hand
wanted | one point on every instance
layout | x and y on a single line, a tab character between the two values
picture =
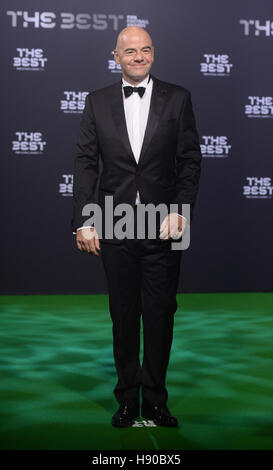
87	240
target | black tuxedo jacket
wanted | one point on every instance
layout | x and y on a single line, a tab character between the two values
169	165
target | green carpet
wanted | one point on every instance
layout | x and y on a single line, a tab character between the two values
58	374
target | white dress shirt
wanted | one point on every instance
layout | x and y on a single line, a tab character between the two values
136	109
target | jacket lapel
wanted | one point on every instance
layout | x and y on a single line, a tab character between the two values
158	98
118	113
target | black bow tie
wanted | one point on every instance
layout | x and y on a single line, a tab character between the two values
128	90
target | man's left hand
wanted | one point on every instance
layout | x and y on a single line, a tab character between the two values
172	226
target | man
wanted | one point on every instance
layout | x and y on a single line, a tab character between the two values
144	130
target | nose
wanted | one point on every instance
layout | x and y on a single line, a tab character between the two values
138	56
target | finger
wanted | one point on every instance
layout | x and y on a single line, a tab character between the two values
163	234
85	246
92	246
174	231
166	238
80	245
97	244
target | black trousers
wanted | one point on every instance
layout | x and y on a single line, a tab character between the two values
142	277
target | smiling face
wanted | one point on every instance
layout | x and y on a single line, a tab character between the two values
135	53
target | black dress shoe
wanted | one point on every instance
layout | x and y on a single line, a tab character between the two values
160	415
125	416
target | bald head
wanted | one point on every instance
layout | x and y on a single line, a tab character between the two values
134	52
130	33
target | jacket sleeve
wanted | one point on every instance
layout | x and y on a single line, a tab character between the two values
188	157
86	165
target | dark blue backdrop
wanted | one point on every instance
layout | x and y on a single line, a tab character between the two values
54	54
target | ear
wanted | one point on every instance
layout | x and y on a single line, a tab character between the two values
153	54
116	56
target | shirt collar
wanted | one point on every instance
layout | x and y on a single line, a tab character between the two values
143	83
